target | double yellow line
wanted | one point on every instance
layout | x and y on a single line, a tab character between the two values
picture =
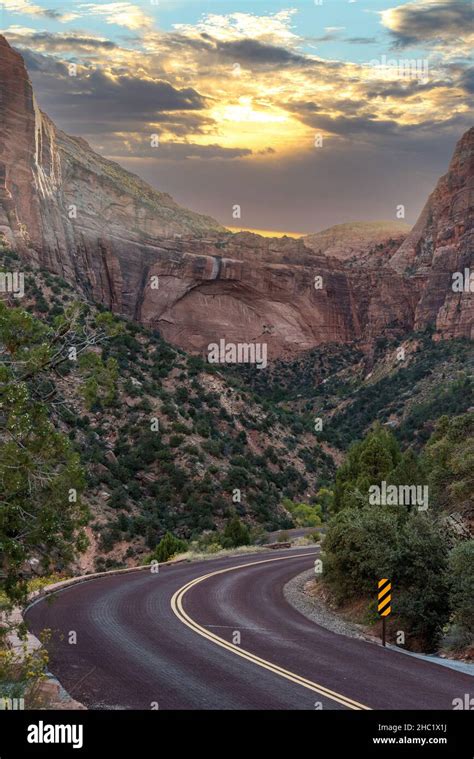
177	607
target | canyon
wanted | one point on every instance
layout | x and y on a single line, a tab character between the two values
123	244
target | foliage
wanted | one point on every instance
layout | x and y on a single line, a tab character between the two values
235	534
449	458
461	588
304	514
168	547
368	463
40	474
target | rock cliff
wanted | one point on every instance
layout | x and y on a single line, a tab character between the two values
132	248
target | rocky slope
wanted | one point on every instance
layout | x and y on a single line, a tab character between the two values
345	241
442	243
133	249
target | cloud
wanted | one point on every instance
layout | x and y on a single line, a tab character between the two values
361	40
170	151
145	98
274	28
253	52
28	8
59	42
120	13
442	21
243	124
467	80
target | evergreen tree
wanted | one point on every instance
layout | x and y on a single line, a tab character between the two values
461	589
235	534
168	547
40	474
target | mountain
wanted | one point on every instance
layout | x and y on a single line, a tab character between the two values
69	208
441	243
65	208
344	241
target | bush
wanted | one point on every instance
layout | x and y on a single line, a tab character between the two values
235	534
461	589
420	595
168	547
359	548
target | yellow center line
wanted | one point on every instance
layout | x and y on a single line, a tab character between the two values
177	607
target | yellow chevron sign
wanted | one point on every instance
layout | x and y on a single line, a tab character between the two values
384	598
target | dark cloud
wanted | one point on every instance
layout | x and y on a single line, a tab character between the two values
254	52
143	97
171	151
367	127
466	80
53	43
94	96
361	40
402	91
245	51
419	22
329	37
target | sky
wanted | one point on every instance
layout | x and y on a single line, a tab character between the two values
304	114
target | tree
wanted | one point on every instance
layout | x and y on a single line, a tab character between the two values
449	459
304	514
420	595
461	589
359	548
41	477
235	534
168	547
368	463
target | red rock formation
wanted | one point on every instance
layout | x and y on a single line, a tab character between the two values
105	230
442	243
355	239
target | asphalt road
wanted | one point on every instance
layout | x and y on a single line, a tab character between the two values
171	641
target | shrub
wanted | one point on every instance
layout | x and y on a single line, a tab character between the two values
168	547
235	534
461	589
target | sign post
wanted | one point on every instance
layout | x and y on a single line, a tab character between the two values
383	606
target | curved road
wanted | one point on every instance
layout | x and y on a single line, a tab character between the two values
220	635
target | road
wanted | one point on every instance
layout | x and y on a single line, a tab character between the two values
171	641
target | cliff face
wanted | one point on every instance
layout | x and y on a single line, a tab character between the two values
135	250
67	207
442	243
354	239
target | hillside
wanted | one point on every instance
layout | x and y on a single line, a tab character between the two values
344	241
213	437
222	429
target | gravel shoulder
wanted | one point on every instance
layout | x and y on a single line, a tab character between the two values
317	611
296	594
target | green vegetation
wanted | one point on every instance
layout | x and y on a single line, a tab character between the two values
168	547
155	444
235	534
40	474
432	580
461	591
304	514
